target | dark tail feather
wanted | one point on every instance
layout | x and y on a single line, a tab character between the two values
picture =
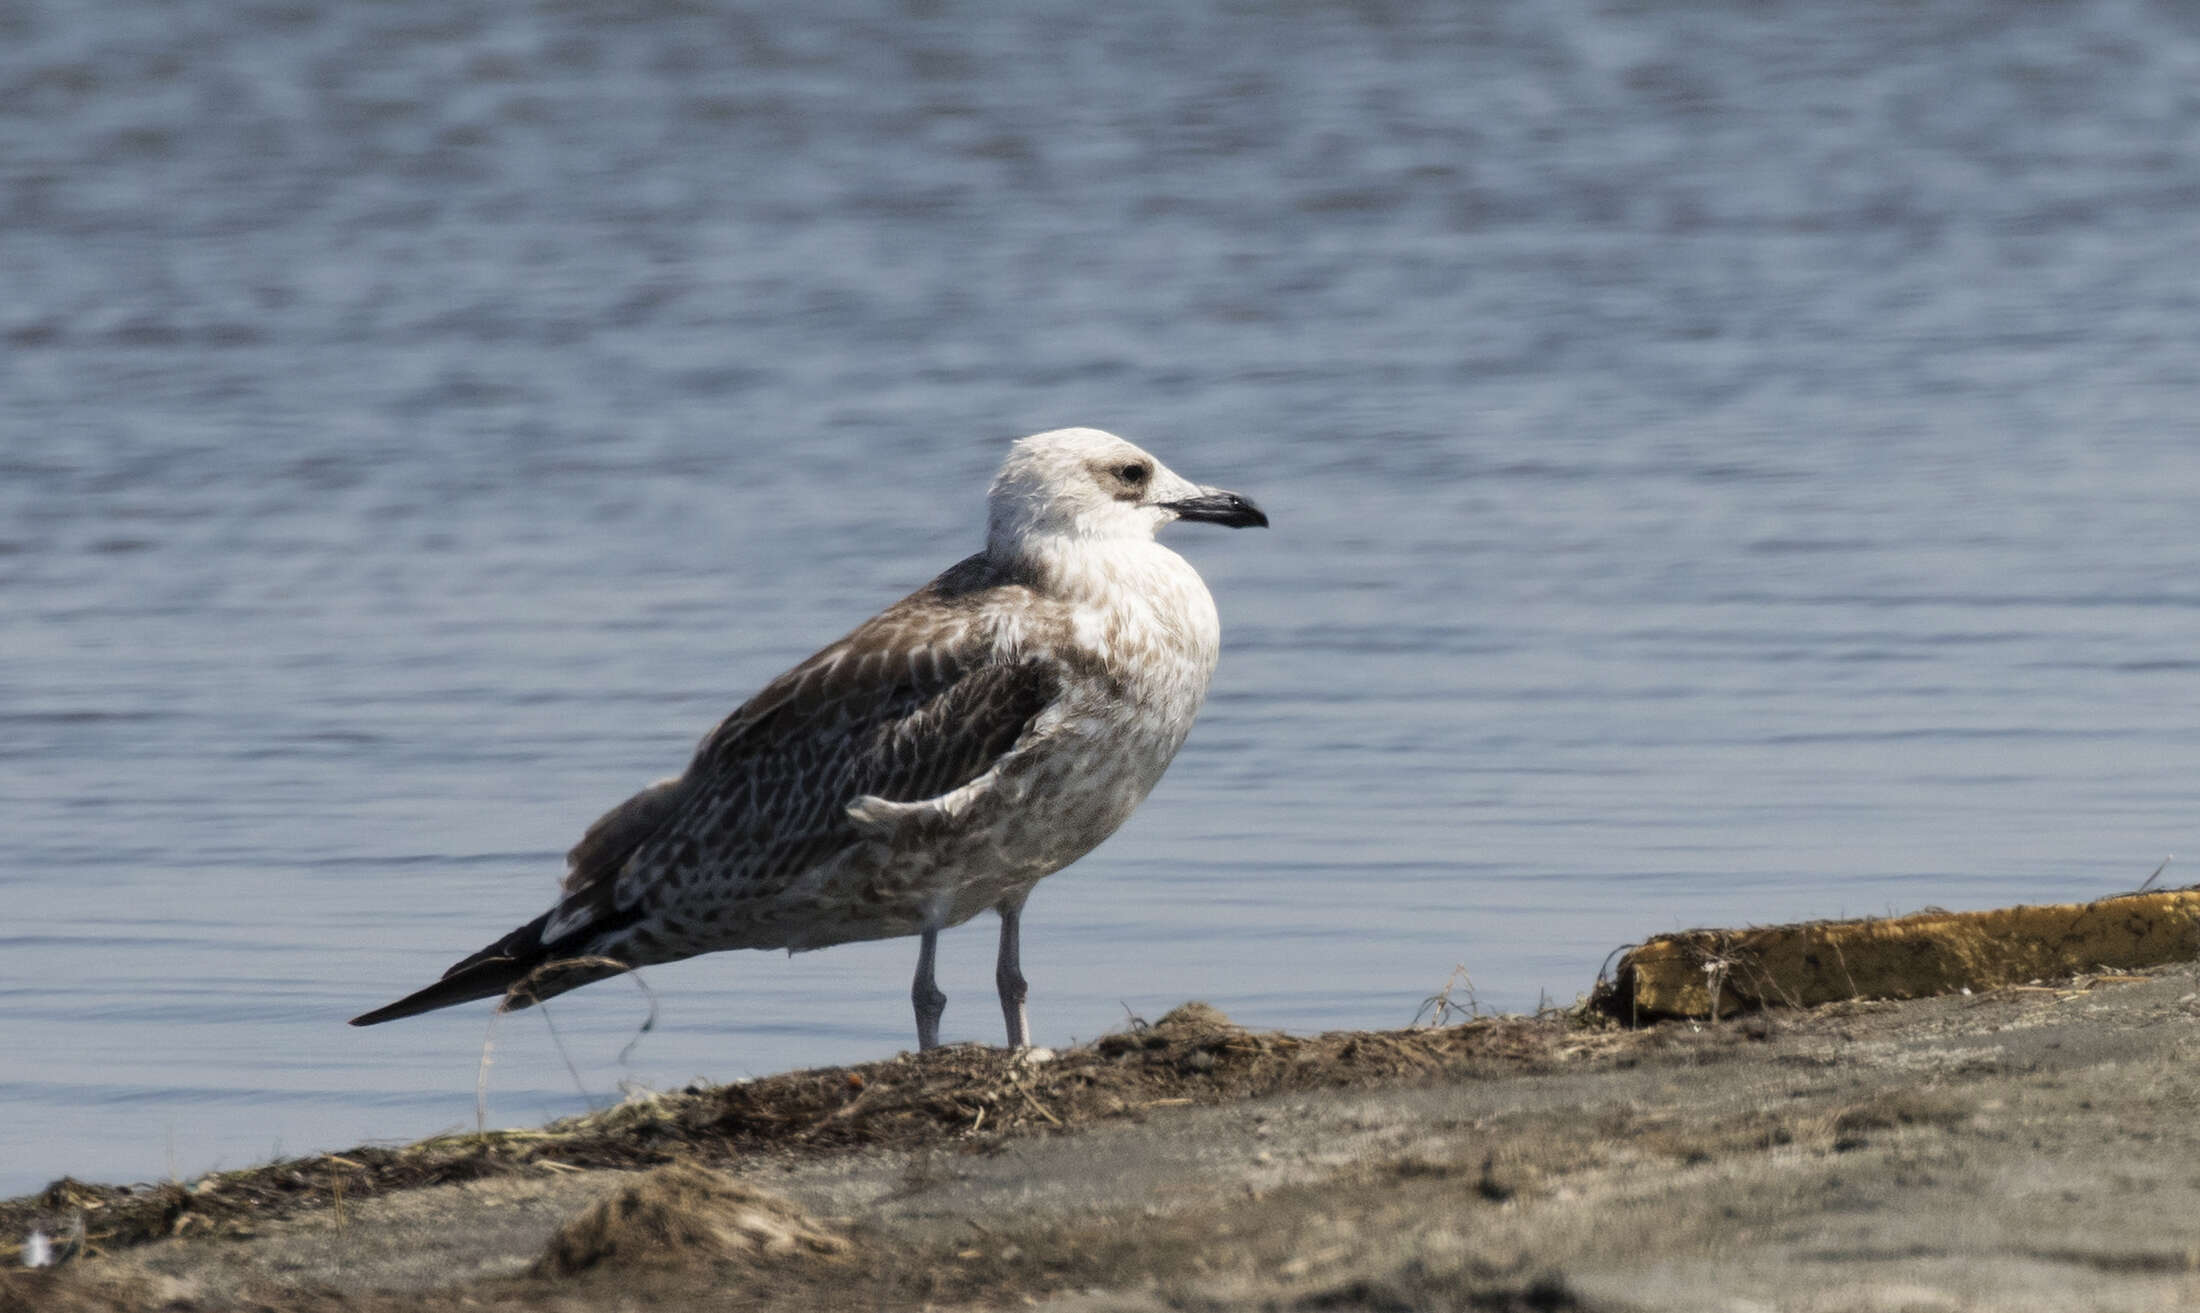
465	984
520	968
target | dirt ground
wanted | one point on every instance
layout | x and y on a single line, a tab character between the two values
2027	1148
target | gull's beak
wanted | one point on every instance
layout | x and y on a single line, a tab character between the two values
1214	506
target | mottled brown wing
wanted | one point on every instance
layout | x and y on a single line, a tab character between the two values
618	832
909	706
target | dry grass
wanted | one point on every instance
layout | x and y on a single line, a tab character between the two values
965	1093
687	1214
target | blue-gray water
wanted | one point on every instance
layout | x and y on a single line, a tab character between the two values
1729	462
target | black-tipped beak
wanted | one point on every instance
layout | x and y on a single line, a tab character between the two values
1213	507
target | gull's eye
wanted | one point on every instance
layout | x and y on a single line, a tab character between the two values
1133	473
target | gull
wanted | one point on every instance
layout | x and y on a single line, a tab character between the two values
941	759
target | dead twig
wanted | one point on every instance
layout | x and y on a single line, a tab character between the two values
521	994
1439	1007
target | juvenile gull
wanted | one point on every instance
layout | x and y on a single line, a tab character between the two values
975	737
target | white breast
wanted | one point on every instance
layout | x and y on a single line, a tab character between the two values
1145	612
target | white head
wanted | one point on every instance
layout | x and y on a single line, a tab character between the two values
1086	484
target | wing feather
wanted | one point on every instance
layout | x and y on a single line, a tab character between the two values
618	832
913	705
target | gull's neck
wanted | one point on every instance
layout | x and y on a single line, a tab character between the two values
1137	606
1081	568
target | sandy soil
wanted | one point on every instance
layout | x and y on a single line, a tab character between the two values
2029	1148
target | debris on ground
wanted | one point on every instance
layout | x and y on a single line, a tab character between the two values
1715	973
968	1093
685	1214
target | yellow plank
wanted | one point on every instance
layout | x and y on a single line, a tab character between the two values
1687	975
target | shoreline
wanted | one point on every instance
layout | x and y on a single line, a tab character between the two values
2026	1147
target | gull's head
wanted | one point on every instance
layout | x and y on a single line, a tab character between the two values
1086	484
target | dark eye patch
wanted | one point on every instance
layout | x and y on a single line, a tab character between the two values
1133	473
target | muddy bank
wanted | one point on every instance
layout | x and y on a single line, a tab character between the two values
968	1095
2033	1147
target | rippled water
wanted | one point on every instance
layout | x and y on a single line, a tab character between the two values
1729	463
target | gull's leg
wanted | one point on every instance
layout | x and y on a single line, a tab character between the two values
1008	973
925	993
